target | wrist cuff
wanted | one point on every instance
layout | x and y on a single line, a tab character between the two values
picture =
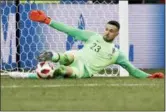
47	20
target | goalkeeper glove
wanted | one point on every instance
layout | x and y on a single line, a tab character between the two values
39	16
156	75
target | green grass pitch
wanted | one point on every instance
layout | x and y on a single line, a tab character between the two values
104	94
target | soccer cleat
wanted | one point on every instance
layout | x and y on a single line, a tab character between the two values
23	75
45	56
158	75
17	74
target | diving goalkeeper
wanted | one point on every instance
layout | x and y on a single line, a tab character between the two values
98	52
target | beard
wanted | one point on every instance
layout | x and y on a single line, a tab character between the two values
107	39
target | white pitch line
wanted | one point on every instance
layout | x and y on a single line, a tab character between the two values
73	85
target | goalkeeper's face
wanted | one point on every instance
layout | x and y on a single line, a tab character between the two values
111	31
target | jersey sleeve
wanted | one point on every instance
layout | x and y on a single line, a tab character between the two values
133	71
78	34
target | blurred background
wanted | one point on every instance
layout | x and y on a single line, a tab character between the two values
145	18
22	40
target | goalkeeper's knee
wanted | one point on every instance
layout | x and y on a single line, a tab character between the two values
66	59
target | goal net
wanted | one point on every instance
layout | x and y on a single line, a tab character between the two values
22	40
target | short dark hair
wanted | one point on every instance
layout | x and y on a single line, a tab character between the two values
114	23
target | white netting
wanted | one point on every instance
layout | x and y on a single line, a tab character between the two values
35	37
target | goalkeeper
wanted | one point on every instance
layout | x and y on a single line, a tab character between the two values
98	51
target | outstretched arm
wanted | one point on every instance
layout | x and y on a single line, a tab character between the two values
40	16
76	33
122	61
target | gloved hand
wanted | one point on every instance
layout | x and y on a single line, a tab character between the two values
39	16
156	75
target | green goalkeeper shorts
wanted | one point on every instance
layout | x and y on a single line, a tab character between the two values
78	67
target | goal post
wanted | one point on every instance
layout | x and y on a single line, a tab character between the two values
124	32
34	37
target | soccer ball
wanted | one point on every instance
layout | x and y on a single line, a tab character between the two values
45	69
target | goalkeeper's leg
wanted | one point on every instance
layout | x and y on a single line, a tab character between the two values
65	59
29	75
70	72
76	69
69	67
62	58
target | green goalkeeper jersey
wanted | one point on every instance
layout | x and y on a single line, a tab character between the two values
97	53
